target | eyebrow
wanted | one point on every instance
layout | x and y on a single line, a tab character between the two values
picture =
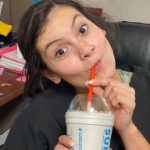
73	22
49	44
74	19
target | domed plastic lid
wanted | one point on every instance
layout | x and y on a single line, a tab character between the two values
98	104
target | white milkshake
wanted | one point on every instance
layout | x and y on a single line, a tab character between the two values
91	129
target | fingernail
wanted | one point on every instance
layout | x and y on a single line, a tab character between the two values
71	143
87	83
90	82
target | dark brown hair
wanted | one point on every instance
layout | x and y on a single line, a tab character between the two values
29	30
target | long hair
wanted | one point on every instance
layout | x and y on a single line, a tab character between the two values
31	26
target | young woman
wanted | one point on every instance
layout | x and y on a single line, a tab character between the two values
61	41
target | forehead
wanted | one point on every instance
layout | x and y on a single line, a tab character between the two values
62	11
59	16
59	20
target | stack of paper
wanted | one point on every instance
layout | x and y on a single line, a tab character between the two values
8	49
10	60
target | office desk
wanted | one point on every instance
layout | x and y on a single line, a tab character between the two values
10	87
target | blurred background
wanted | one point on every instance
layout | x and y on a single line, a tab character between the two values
119	10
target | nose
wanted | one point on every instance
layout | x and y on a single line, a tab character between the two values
86	51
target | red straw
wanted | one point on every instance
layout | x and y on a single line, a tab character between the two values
91	86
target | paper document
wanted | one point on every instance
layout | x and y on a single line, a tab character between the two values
1	6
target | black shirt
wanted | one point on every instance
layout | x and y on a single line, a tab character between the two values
42	119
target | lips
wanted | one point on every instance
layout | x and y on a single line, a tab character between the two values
97	65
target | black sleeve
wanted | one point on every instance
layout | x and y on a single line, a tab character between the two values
140	81
40	123
25	134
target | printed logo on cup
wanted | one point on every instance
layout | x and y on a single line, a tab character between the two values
106	139
80	138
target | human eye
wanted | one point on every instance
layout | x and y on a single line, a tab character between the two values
83	29
60	52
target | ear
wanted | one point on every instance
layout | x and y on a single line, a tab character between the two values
51	76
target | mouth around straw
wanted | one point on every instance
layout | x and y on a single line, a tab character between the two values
90	92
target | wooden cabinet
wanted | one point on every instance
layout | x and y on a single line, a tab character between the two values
10	87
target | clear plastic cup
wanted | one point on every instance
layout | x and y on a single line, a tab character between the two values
90	126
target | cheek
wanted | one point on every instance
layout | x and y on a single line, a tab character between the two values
108	60
66	68
109	51
100	40
68	71
111	65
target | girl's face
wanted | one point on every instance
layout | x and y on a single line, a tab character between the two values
66	46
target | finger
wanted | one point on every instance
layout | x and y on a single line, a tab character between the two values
128	92
120	98
108	84
116	86
60	147
99	82
104	82
66	141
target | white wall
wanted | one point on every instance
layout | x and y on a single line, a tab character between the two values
124	10
17	9
119	10
5	16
